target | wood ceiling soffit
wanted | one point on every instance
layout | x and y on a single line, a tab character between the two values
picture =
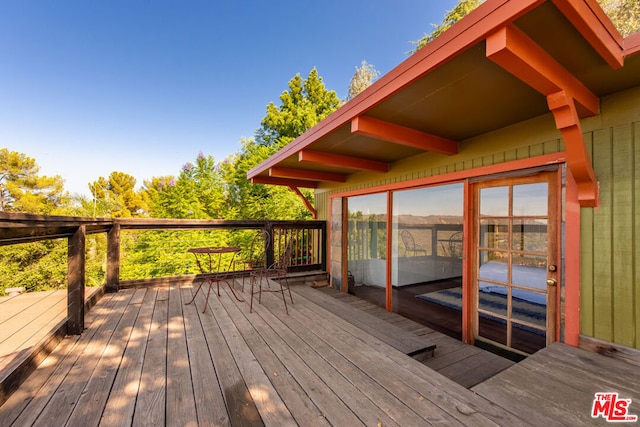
564	111
306	175
391	132
511	49
284	181
596	28
337	160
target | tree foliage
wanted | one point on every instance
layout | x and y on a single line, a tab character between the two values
119	196
22	189
198	192
364	76
462	9
625	15
301	107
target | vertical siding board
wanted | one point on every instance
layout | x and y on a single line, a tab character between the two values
636	232
602	270
586	261
622	224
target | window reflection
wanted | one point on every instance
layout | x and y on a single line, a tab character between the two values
427	233
367	239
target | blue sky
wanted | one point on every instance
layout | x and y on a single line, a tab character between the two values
94	86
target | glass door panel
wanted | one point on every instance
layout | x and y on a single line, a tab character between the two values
514	249
367	244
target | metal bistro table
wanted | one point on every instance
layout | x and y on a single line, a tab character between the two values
209	260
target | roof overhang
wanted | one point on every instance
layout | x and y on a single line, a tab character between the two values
432	101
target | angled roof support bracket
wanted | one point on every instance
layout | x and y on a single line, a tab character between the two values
307	203
564	111
516	53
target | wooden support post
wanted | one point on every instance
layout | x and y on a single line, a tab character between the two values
113	259
75	286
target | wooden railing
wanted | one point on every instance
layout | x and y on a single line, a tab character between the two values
309	245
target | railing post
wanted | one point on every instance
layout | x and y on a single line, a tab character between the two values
75	277
113	259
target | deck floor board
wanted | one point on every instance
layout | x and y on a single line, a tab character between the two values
146	358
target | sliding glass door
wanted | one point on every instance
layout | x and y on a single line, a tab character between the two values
367	245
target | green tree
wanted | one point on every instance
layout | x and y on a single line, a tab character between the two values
23	190
362	79
118	196
199	192
302	107
461	10
625	14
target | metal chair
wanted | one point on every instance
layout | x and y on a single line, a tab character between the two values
278	272
254	258
410	244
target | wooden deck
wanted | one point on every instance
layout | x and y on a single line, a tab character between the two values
148	359
462	363
26	321
556	386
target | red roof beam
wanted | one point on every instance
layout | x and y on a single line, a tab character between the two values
518	54
391	132
342	161
283	181
594	25
306	175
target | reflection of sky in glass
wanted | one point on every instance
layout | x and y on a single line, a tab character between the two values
530	199
437	200
494	201
371	204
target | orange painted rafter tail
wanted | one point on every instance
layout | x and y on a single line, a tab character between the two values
284	181
564	111
390	132
594	25
337	160
511	49
307	203
306	175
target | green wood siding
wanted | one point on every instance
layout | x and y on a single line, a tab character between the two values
610	254
610	233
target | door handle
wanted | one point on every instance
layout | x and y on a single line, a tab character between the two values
552	282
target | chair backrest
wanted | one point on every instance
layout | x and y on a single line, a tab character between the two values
258	249
407	240
284	261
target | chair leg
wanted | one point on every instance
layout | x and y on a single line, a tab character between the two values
288	288
206	302
196	294
284	299
253	281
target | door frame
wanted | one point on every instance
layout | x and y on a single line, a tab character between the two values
552	176
569	328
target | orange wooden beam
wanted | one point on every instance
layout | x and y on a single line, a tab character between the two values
596	27
564	111
283	181
306	175
342	161
307	203
518	54
390	132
